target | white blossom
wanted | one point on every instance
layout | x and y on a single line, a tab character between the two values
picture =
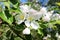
27	23
20	18
55	16
57	34
26	31
30	21
50	13
46	18
48	35
34	25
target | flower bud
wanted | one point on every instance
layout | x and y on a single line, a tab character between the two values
26	31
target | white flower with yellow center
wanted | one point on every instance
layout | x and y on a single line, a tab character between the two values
20	18
29	19
30	22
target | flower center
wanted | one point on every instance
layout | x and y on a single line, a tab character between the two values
30	18
22	17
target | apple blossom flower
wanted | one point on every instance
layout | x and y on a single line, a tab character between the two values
20	18
30	20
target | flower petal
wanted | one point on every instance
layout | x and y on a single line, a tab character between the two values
46	18
19	21
26	31
34	25
24	8
27	23
20	18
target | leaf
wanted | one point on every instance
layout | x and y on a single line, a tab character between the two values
40	32
58	21
17	38
4	17
7	4
58	3
14	1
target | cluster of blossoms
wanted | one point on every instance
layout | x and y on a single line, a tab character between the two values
30	15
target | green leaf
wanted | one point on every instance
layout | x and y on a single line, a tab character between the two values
40	32
17	38
14	1
58	3
4	17
58	21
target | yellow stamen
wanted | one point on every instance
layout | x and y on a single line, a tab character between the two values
22	17
30	18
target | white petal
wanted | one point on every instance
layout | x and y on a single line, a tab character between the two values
26	31
27	23
55	16
43	10
48	35
46	18
32	11
20	18
37	16
57	34
19	21
24	8
34	25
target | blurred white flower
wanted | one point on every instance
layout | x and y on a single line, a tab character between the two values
48	35
25	8
30	21
27	23
46	15
46	18
55	16
59	17
26	31
43	10
58	37
44	38
57	34
36	14
50	13
32	11
20	18
34	25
